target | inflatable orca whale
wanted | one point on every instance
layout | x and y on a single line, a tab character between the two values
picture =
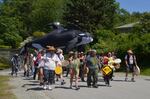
61	38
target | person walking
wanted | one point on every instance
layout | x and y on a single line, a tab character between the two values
50	59
70	57
82	65
15	64
74	70
41	64
130	61
36	63
92	63
60	56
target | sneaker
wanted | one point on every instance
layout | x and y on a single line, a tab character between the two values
77	88
41	83
108	85
132	79
16	74
49	87
70	87
63	82
95	86
44	87
11	74
82	80
89	86
126	79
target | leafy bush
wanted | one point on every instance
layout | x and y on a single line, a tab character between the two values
1	41
4	63
5	47
105	41
12	39
120	43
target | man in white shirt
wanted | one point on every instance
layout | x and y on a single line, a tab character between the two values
130	61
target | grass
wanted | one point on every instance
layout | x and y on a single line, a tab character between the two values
4	64
4	46
5	92
145	67
146	71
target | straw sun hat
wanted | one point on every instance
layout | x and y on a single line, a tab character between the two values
51	48
59	50
130	51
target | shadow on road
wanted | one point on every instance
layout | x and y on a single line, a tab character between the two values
63	87
29	85
147	79
119	80
122	81
101	80
34	81
35	89
27	78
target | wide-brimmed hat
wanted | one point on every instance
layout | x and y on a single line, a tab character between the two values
130	51
59	50
71	52
50	48
93	50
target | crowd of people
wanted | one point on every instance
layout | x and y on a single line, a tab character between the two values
42	64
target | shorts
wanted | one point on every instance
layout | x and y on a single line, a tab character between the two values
130	68
74	71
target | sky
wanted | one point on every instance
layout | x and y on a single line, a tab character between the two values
135	5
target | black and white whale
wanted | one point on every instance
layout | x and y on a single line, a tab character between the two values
67	39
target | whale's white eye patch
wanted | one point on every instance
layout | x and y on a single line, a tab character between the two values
82	34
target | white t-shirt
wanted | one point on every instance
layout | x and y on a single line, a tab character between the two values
41	62
50	61
60	59
131	59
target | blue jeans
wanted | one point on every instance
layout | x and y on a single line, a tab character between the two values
49	76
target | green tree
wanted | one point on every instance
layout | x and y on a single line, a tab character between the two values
20	10
23	17
144	24
89	15
10	31
45	12
121	17
105	41
12	39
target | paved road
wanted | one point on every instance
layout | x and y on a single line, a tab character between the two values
26	88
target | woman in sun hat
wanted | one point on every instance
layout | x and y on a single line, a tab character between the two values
60	56
51	60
